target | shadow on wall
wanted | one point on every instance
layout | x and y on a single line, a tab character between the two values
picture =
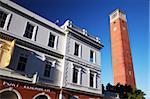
36	62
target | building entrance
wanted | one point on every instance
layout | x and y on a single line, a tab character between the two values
41	97
9	95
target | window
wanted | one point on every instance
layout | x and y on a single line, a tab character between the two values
22	63
77	50
75	75
3	17
29	31
51	40
47	69
92	56
91	80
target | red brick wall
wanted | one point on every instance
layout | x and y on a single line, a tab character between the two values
121	53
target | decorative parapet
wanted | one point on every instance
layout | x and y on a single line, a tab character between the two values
83	31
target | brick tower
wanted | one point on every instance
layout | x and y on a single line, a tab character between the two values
121	51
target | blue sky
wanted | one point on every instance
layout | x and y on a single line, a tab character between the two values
93	15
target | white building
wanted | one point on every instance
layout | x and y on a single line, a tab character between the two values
82	69
47	60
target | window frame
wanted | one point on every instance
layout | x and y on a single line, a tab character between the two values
24	63
47	63
91	82
95	81
79	74
34	31
55	40
7	20
79	53
75	69
93	60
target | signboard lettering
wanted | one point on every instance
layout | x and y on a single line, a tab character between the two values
31	87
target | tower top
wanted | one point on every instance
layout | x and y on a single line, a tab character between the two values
117	14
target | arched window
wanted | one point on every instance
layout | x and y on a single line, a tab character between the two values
9	93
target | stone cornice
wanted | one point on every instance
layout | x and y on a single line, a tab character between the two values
83	63
84	38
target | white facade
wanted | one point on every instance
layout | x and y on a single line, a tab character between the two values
48	54
81	61
36	48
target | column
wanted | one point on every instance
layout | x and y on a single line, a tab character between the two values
60	95
79	76
34	33
94	57
56	42
7	22
94	80
80	51
71	72
88	75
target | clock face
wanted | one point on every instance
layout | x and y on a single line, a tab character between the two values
114	29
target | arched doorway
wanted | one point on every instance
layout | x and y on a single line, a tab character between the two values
41	96
9	93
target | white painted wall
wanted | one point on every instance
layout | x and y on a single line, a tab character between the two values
84	63
18	23
85	50
17	28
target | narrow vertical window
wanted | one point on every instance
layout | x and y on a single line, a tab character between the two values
75	75
52	40
76	50
92	56
29	31
22	63
3	17
91	79
47	69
